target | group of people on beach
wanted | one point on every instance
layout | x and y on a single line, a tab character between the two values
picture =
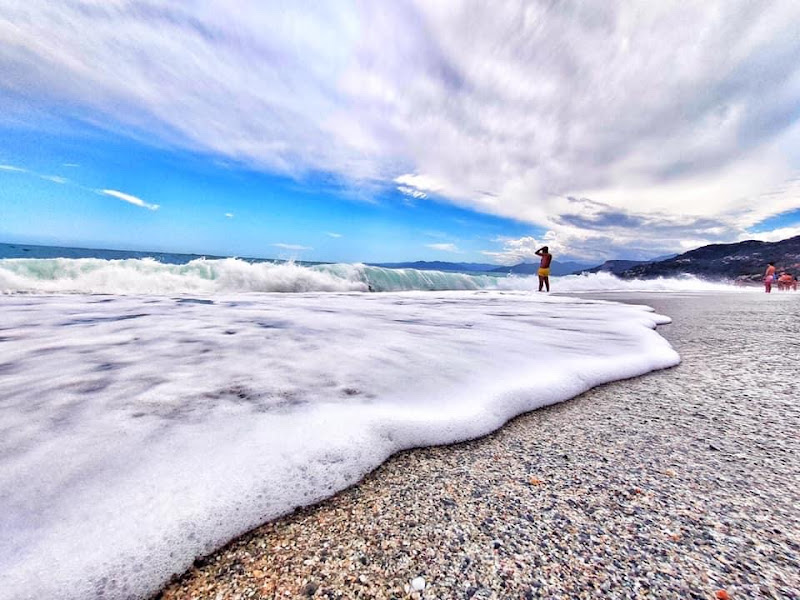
786	281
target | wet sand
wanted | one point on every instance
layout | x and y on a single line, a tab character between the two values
677	484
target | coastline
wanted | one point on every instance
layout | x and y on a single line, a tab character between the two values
675	484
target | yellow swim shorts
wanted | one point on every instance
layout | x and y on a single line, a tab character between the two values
544	272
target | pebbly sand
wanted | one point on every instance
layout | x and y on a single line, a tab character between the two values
678	484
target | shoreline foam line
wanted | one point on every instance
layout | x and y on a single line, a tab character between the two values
142	432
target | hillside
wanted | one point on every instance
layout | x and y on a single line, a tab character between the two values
725	261
615	266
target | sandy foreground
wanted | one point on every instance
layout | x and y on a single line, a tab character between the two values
679	484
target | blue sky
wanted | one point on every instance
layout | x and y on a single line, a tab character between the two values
399	131
54	195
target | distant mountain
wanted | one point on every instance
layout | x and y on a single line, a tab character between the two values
662	257
437	265
556	268
615	266
621	265
746	259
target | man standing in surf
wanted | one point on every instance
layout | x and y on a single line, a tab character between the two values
769	276
544	267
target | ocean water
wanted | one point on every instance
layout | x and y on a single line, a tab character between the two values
34	251
152	411
37	269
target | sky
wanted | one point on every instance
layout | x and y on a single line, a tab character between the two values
399	130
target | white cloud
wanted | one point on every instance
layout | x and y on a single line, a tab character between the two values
12	169
129	198
515	251
418	186
658	110
333	235
414	193
70	165
775	235
436	234
292	246
444	247
54	178
229	215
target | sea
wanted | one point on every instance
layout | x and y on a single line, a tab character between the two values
54	269
155	406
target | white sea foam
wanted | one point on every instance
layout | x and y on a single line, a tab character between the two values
148	276
140	432
201	276
607	282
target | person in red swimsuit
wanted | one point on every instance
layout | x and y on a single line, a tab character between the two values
769	276
544	267
785	281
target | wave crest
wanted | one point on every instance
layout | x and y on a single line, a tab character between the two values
231	275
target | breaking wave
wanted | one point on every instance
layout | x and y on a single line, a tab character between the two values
231	275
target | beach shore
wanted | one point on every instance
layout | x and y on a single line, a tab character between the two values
677	484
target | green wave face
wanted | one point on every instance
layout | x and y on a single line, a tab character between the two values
380	279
